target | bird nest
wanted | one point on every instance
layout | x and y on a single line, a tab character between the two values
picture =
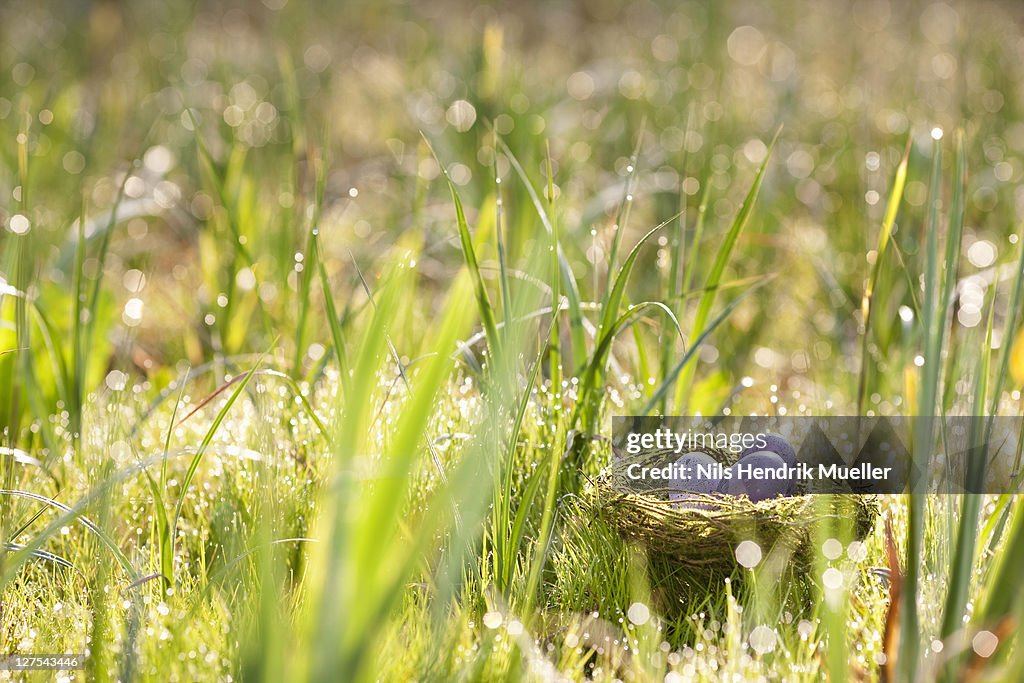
703	533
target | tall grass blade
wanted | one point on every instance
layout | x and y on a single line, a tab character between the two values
1003	586
204	445
884	236
567	278
554	345
483	301
622	215
670	378
924	427
587	405
707	302
970	506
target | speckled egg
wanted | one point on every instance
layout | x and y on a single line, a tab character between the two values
693	482
757	489
775	444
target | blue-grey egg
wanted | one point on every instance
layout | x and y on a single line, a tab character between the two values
759	476
775	444
697	474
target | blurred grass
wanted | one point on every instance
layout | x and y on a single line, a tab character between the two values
188	186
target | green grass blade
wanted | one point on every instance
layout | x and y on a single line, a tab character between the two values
670	378
963	556
690	267
69	514
722	258
584	412
594	370
892	208
924	428
333	321
622	215
554	344
566	278
504	289
483	301
205	443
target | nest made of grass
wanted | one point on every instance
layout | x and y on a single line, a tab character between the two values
704	532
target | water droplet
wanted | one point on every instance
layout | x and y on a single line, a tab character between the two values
805	629
832	549
857	551
19	224
832	578
982	254
984	643
748	554
132	314
762	639
639	613
116	380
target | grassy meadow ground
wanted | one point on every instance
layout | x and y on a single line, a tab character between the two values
281	392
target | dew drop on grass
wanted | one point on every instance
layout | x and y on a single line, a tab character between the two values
832	578
832	549
638	613
984	643
18	224
762	639
748	554
805	629
132	314
857	551
245	279
158	159
73	162
492	620
116	380
461	115
982	254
